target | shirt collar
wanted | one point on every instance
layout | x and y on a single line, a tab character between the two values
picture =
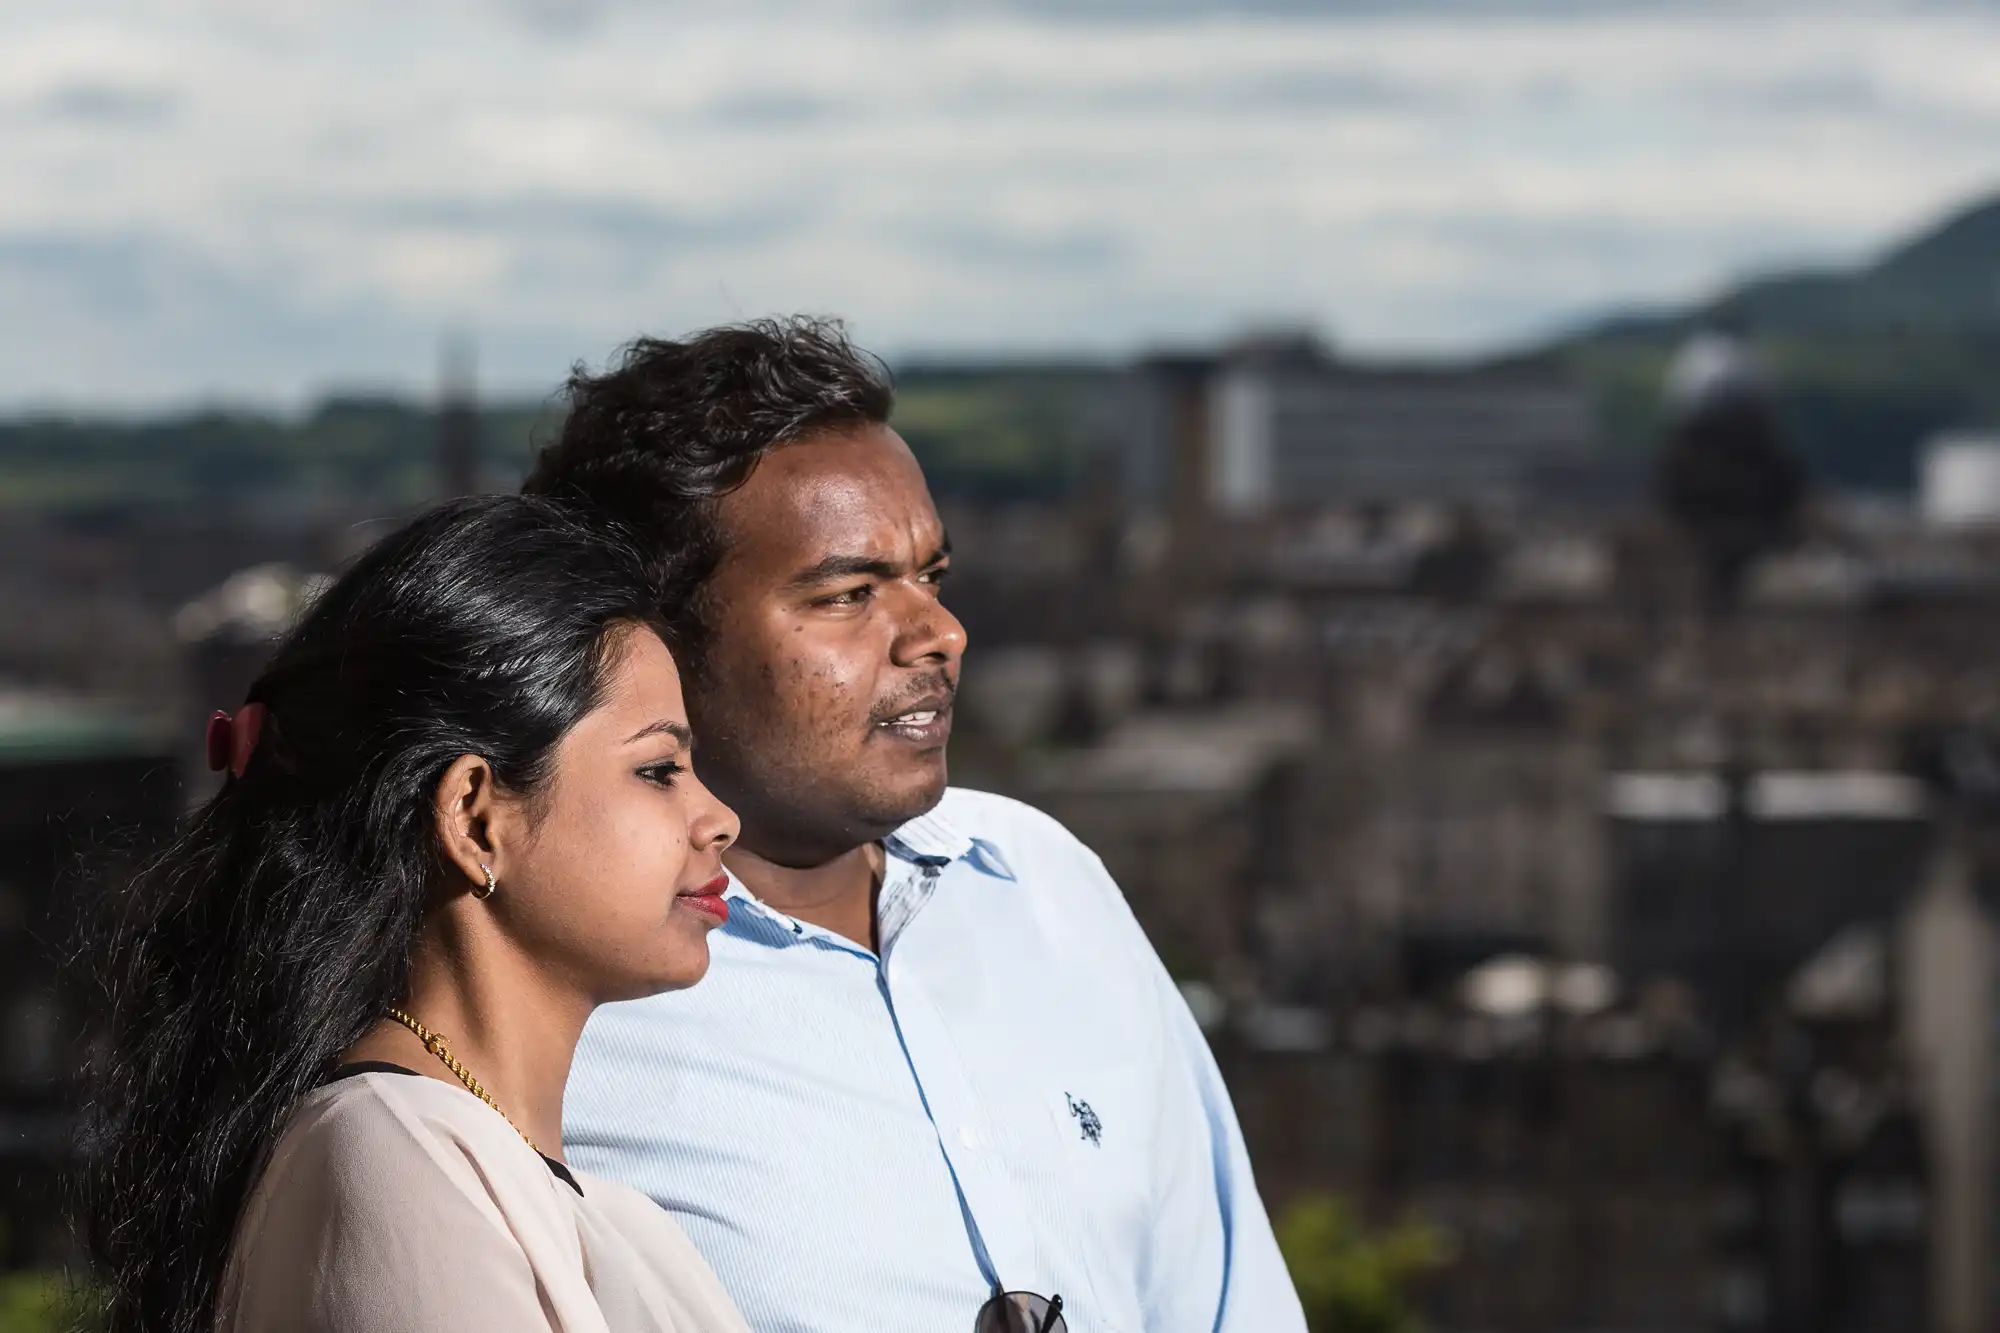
932	838
928	840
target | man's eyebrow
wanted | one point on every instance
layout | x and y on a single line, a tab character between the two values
842	567
855	566
664	727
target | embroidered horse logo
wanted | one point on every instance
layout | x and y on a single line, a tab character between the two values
1086	1120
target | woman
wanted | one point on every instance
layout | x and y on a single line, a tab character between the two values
458	802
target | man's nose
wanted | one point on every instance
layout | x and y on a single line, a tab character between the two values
930	635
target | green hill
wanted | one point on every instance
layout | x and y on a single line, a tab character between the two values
368	451
986	433
1865	363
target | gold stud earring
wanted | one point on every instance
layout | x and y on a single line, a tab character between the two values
487	892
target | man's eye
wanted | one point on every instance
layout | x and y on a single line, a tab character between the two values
851	597
938	575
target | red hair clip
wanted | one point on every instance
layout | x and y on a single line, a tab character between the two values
232	740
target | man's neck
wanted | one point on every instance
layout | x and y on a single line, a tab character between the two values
836	895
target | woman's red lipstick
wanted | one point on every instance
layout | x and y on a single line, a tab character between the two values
708	898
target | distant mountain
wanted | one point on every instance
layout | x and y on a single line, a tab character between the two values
1947	279
1865	363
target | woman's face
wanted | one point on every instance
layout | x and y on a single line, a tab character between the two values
618	880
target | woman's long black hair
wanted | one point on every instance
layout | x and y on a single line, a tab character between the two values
272	933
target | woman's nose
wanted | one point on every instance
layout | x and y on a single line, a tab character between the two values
717	826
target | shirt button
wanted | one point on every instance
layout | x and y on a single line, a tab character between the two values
968	1136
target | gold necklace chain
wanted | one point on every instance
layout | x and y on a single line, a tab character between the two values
434	1043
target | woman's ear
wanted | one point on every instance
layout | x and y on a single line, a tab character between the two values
473	821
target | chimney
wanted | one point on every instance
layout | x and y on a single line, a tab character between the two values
457	421
1182	381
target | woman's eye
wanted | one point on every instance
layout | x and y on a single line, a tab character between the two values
661	774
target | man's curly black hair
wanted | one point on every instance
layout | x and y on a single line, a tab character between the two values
672	426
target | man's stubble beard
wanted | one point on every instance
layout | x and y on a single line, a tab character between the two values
793	807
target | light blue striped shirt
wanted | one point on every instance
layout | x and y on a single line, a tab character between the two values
1014	1092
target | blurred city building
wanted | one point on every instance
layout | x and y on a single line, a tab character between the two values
84	789
1960	478
1607	883
1279	422
1588	848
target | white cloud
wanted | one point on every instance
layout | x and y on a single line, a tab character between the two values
257	200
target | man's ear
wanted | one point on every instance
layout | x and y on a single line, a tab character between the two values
474	821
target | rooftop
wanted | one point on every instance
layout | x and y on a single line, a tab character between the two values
44	727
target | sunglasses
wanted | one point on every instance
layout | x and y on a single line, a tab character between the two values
1020	1312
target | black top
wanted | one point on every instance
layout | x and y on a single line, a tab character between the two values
385	1067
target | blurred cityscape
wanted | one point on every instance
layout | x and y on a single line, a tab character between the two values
1566	785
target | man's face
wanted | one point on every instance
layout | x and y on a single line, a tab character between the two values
824	696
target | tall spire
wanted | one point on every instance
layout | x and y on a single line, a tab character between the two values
1713	369
1726	473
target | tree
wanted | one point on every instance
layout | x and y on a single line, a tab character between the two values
1351	1280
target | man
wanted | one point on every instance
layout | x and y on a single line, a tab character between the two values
934	1057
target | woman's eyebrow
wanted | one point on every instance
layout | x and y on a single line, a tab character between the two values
664	727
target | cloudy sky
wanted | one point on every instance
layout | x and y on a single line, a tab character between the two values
258	200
